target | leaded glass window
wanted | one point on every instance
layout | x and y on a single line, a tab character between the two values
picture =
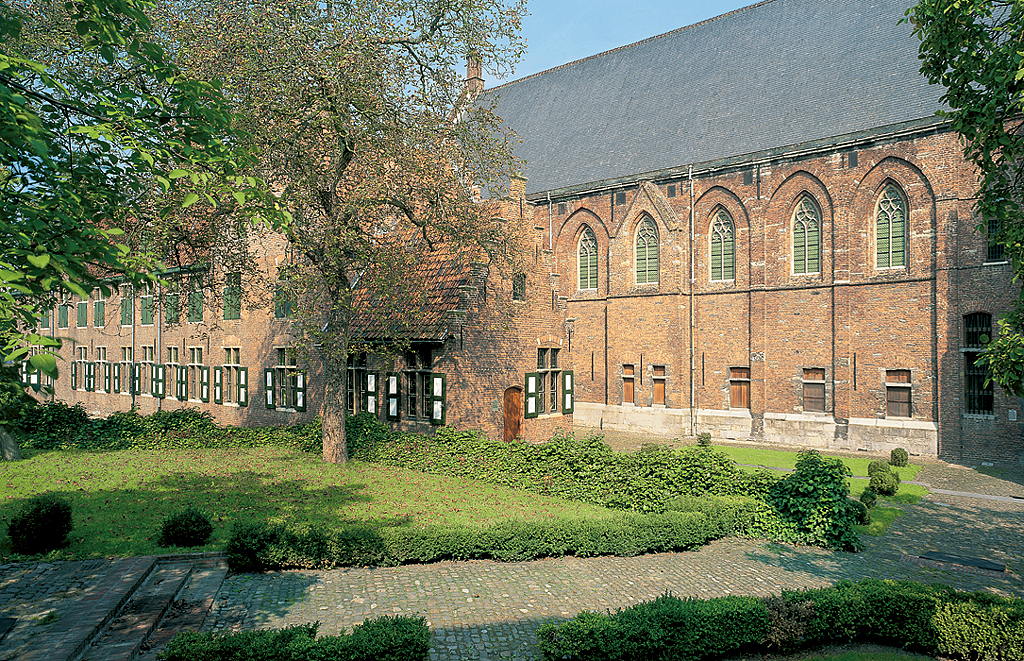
806	237
588	259
723	247
891	234
647	254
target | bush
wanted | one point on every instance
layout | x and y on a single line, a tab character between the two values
42	525
259	546
815	498
51	425
868	497
885	484
899	457
877	466
190	527
931	619
704	439
381	639
861	512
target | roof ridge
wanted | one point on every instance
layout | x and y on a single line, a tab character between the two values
635	43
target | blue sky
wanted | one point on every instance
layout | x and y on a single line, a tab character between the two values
560	31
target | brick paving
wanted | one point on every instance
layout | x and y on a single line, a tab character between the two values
489	610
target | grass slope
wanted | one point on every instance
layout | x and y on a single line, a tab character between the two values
120	498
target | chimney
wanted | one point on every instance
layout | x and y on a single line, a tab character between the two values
474	74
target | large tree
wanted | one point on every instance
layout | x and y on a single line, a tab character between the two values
101	132
366	132
975	49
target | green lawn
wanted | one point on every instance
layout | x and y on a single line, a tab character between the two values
120	498
783	459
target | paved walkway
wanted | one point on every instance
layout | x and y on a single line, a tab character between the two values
490	610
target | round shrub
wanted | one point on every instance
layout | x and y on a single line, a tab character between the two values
190	527
868	497
877	466
886	484
42	525
860	512
899	457
704	439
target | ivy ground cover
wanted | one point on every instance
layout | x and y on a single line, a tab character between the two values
119	498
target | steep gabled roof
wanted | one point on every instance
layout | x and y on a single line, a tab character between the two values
777	73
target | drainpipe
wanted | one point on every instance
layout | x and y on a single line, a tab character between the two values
693	378
131	365
551	235
160	344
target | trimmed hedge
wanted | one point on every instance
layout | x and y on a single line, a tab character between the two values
57	426
258	546
972	626
381	639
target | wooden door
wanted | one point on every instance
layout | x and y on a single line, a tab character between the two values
513	406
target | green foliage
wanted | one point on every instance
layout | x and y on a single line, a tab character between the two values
868	497
899	457
861	512
877	466
971	48
42	525
815	498
668	627
189	527
258	547
364	431
704	439
100	131
885	484
57	426
930	619
379	639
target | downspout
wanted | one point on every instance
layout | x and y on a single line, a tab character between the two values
693	378
160	344
551	235
131	365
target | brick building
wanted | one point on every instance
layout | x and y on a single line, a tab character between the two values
762	230
487	353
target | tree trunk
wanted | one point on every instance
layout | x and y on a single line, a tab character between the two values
335	445
8	447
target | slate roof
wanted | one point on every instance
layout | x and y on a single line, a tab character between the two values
777	73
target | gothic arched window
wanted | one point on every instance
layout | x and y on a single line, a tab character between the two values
588	259
647	253
723	247
891	229
806	237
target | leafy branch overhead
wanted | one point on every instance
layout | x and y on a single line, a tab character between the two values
103	136
975	50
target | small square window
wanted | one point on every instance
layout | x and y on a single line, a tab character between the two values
561	208
620	198
671	190
748	177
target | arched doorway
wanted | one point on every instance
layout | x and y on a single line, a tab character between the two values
513	408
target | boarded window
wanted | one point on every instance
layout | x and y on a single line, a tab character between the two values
897	397
628	393
814	389
723	247
588	260
891	230
806	237
647	254
659	384
739	387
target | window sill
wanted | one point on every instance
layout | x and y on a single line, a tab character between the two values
1000	263
979	416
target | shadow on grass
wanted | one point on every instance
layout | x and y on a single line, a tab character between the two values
127	522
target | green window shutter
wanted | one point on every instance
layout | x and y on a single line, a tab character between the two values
438	408
44	319
898	239
243	386
533	390
268	385
99	313
90	377
106	377
799	248
568	393
195	307
300	390
161	380
83	314
182	382
370	400
127	313
23	372
172	308
218	385
137	378
882	242
204	383
233	296
146	311
74	375
153	380
116	374
393	393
